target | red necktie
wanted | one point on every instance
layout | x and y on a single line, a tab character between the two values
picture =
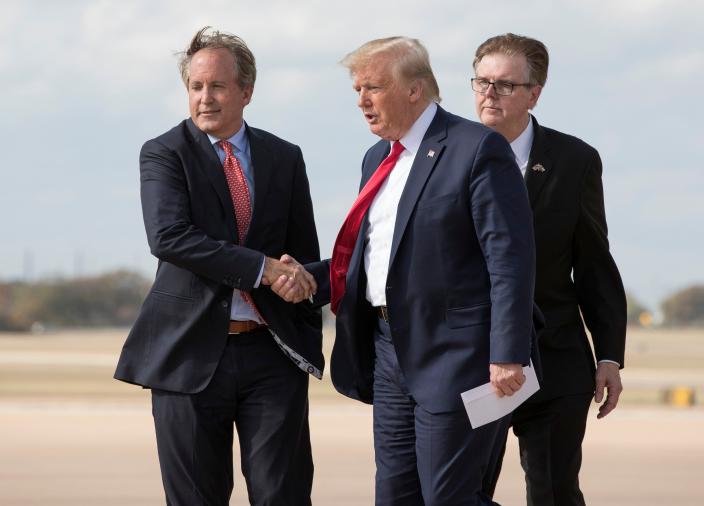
239	191
347	237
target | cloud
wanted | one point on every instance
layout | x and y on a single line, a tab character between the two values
87	82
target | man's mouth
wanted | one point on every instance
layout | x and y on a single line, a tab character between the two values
208	113
369	117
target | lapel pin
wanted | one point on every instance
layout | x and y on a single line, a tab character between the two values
431	153
538	168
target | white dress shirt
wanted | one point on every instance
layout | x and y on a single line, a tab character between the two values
521	146
382	212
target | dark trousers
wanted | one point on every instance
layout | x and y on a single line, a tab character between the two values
550	435
423	458
260	391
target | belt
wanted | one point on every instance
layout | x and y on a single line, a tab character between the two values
383	312
238	327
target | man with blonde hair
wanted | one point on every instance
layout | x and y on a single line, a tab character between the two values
575	272
431	278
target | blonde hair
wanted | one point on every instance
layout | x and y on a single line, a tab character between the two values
410	61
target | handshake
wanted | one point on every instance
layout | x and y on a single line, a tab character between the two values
288	279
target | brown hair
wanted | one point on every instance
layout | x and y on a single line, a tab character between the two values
410	61
535	52
245	64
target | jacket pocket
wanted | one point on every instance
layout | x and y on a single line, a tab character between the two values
436	201
171	304
469	316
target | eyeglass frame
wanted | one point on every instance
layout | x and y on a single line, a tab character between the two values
493	83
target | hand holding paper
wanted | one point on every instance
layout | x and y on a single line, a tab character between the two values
483	404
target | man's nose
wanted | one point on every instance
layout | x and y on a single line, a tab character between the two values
491	91
206	95
362	100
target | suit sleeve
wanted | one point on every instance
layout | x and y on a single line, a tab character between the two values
171	234
504	226
600	292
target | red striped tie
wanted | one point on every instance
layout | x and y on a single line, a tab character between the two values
347	237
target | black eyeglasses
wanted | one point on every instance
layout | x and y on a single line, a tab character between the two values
481	85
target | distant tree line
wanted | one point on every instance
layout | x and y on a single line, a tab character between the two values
114	299
681	309
111	299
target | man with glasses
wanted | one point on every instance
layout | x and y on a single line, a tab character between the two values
575	273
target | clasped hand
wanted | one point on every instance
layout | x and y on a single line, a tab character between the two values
288	279
507	379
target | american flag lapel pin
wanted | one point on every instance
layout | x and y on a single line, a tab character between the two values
431	153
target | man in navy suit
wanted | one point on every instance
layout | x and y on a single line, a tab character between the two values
576	276
220	201
439	288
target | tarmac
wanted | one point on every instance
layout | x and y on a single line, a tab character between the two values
92	453
71	435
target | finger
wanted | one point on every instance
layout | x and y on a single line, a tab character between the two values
292	292
287	259
607	407
614	394
514	386
305	280
495	384
599	389
505	386
278	286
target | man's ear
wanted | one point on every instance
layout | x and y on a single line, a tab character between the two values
415	91
534	96
247	95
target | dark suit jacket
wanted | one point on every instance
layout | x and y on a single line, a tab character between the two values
181	331
574	271
460	284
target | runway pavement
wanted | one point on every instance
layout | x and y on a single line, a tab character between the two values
90	454
71	435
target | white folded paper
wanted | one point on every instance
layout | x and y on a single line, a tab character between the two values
484	406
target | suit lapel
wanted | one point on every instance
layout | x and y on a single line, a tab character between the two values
262	163
539	163
425	161
211	165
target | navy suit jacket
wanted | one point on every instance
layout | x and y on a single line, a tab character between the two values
459	289
182	328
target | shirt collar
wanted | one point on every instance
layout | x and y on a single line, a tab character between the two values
412	139
521	145
239	140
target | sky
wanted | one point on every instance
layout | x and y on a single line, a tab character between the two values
86	83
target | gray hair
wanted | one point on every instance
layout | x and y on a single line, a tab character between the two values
410	61
245	64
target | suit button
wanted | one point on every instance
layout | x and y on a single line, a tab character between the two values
225	304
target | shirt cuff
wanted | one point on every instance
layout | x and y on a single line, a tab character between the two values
261	273
609	361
